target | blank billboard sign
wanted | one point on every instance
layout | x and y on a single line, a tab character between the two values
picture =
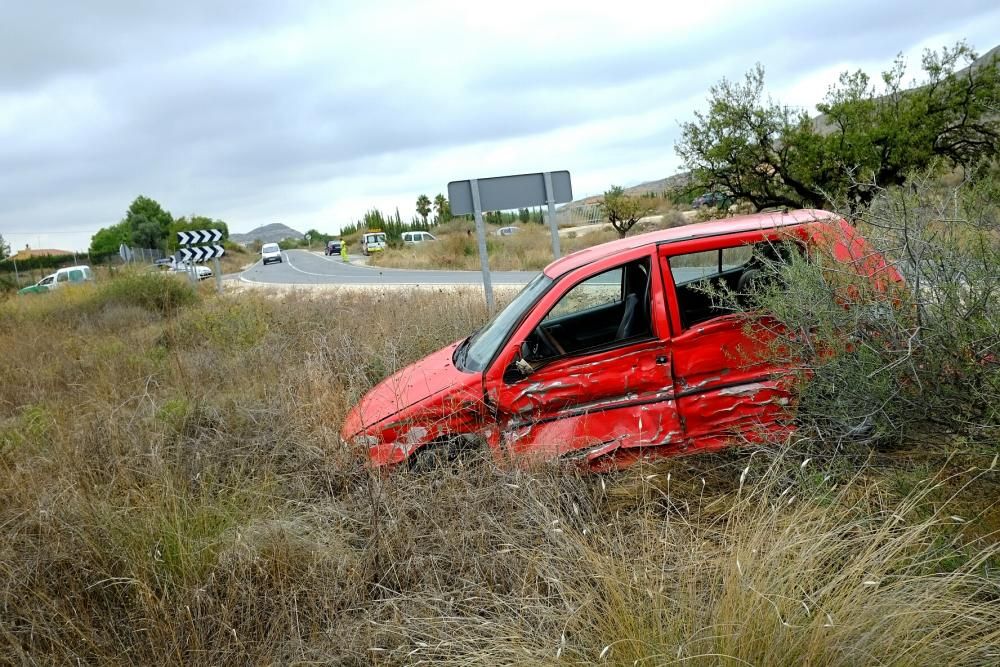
501	193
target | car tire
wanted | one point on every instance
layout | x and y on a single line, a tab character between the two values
446	453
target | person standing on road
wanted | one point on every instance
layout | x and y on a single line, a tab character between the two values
343	250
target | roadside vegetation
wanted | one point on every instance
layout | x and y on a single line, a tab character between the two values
172	485
529	249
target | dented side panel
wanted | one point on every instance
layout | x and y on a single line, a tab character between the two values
594	402
592	436
724	381
617	398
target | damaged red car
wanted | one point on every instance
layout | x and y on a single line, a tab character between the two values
613	353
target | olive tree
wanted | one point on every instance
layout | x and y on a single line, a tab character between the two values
866	137
623	211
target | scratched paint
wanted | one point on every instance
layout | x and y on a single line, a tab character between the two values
681	390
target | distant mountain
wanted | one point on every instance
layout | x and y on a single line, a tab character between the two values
267	234
676	182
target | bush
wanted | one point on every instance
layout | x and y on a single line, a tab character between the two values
162	293
908	362
182	492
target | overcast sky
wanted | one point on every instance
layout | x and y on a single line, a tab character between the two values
309	113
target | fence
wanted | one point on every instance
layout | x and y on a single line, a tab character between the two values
15	274
578	215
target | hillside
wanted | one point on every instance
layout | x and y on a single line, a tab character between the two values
677	181
272	233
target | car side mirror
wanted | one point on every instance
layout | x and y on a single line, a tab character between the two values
520	368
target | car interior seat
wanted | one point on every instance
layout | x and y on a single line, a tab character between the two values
635	318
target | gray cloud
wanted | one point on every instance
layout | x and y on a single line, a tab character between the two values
262	109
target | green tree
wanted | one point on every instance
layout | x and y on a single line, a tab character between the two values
424	207
441	209
4	248
867	136
107	239
149	225
622	210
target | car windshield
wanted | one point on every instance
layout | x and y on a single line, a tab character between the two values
270	247
481	346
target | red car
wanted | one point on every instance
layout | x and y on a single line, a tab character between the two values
613	353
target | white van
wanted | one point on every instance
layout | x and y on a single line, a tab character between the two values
411	238
270	252
70	274
373	242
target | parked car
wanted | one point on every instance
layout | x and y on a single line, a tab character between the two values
712	200
332	247
65	276
412	238
171	265
373	242
613	353
507	231
270	252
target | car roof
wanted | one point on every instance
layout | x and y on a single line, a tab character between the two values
734	225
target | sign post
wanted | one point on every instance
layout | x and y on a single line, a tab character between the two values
203	252
484	260
506	192
550	199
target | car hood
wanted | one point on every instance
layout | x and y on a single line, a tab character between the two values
432	375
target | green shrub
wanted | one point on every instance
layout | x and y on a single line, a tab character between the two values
902	360
161	293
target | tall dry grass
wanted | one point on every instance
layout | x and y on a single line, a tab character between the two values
528	250
173	489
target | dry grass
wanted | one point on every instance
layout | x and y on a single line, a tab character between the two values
172	488
528	250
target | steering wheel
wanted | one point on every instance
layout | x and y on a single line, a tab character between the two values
548	346
750	279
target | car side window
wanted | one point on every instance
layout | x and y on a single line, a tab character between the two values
600	290
601	312
76	275
700	276
62	277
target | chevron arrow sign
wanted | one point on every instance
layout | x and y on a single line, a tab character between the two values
199	236
201	253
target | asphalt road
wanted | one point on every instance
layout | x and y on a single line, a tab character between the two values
302	267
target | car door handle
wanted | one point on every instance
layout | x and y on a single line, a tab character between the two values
662	359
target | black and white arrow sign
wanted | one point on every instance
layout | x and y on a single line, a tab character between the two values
199	236
201	253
